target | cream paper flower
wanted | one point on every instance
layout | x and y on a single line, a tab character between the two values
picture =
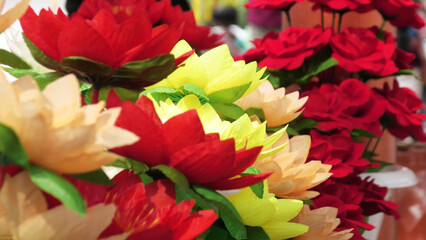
24	215
292	177
321	222
7	18
55	131
279	108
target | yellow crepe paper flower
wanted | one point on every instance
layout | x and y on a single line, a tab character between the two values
279	108
270	213
55	131
24	215
246	133
213	71
292	177
7	18
321	222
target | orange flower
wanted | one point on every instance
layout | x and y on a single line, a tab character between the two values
278	107
55	131
321	222
292	177
24	215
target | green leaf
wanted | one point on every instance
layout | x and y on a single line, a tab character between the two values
358	132
123	93
228	95
138	167
162	94
174	175
58	187
215	197
199	201
40	57
257	233
258	187
256	111
12	60
11	148
85	67
308	202
382	165
316	69
305	123
234	225
228	110
146	179
217	233
187	89
98	177
42	79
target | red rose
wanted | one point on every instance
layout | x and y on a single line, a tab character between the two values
340	151
292	47
160	12
402	107
339	5
401	13
350	105
272	4
360	50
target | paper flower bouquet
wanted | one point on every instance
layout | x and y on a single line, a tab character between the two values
124	130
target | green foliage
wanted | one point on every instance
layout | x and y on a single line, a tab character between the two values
228	95
40	57
177	177
11	150
12	60
258	187
228	111
257	233
42	79
97	177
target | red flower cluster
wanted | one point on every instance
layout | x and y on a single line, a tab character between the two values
182	144
340	5
359	49
350	105
400	13
159	12
288	49
340	151
102	39
402	107
282	5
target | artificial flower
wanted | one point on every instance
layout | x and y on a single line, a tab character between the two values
279	108
55	131
282	5
358	49
160	12
290	48
150	211
350	105
25	215
181	143
268	212
245	132
400	13
291	176
341	5
258	53
102	40
321	222
402	111
340	151
11	15
214	71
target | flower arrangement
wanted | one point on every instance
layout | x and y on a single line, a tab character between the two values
129	132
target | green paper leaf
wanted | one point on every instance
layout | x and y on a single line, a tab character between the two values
357	133
303	124
58	187
162	94
317	69
308	202
42	79
123	93
257	233
228	95
187	89
12	60
146	179
256	111
11	148
40	57
85	67
258	187
228	110
217	233
199	201
98	177
215	197
136	166
174	175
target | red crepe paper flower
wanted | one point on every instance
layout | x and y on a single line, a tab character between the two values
281	5
400	13
182	144
290	48
102	39
160	12
402	107
340	151
340	5
359	49
350	105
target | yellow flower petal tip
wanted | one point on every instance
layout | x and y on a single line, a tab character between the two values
55	130
279	108
270	213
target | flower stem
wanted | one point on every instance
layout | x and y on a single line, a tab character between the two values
333	21
339	26
287	13
322	18
380	34
95	96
